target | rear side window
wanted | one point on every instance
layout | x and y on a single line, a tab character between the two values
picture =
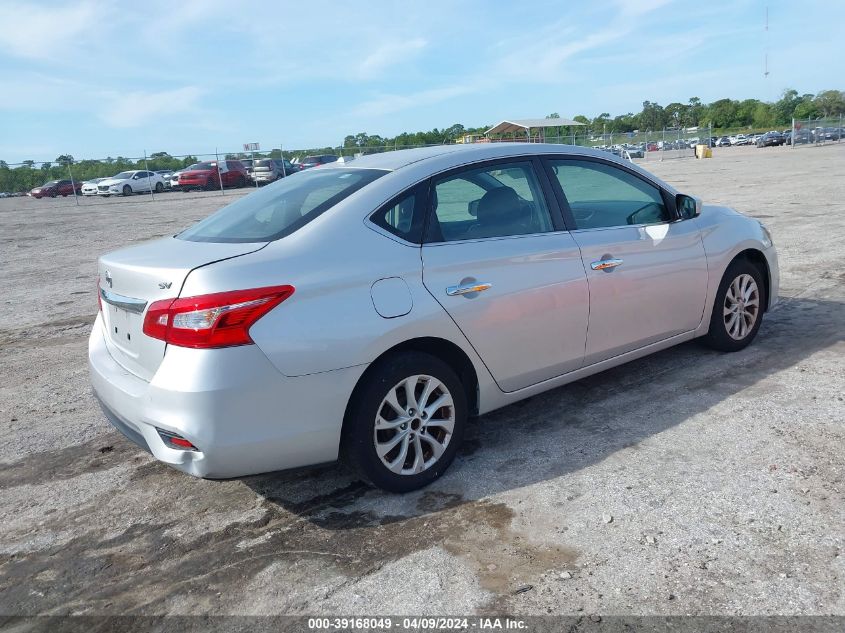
601	195
282	208
402	217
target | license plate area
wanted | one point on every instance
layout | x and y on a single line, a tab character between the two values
124	329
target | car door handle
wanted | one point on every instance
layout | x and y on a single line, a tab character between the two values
465	289
606	264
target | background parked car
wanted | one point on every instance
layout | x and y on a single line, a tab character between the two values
771	139
316	161
55	188
166	176
89	187
266	170
128	182
211	175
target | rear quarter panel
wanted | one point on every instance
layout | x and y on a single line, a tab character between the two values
330	322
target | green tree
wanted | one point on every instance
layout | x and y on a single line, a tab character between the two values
652	117
830	103
694	112
676	114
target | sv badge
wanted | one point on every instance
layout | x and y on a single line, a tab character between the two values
165	285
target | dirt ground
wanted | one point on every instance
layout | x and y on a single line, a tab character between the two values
689	482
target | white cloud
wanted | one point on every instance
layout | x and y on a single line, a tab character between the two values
135	109
35	31
390	103
390	54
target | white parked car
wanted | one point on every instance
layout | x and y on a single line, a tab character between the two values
174	179
128	182
166	176
89	187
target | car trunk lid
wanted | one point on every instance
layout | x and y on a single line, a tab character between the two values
133	278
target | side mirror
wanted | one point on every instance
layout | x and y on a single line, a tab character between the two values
688	206
473	207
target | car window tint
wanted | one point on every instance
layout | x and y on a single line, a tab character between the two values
601	195
401	218
494	201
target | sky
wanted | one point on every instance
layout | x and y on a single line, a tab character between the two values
96	79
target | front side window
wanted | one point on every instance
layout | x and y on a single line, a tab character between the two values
281	208
601	195
494	201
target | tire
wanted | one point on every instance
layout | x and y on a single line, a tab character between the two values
210	185
53	194
159	187
734	324
417	468
127	190
241	182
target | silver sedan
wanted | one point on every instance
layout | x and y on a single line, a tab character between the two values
365	310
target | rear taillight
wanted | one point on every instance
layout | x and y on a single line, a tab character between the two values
222	319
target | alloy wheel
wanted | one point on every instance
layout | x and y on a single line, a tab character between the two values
742	306
414	424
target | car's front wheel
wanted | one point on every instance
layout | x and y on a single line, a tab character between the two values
127	190
159	187
406	422
738	308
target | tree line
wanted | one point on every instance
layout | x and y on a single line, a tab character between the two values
722	115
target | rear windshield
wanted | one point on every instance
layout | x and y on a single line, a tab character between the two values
264	163
282	208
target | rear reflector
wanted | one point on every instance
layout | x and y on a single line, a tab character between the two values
222	319
175	441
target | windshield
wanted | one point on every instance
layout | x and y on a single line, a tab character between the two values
124	175
202	166
281	208
246	162
50	183
264	163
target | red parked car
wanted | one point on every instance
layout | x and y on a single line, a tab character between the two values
209	175
57	188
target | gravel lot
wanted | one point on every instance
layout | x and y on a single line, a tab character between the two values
690	482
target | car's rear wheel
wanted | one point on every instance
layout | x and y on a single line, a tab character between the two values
241	182
127	190
159	187
406	422
738	308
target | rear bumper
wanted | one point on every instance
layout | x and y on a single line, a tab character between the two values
241	413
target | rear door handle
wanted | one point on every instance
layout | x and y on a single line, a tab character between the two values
606	264
465	289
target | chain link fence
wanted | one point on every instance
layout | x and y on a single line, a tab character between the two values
70	175
815	132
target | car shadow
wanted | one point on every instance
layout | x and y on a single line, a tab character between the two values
568	428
